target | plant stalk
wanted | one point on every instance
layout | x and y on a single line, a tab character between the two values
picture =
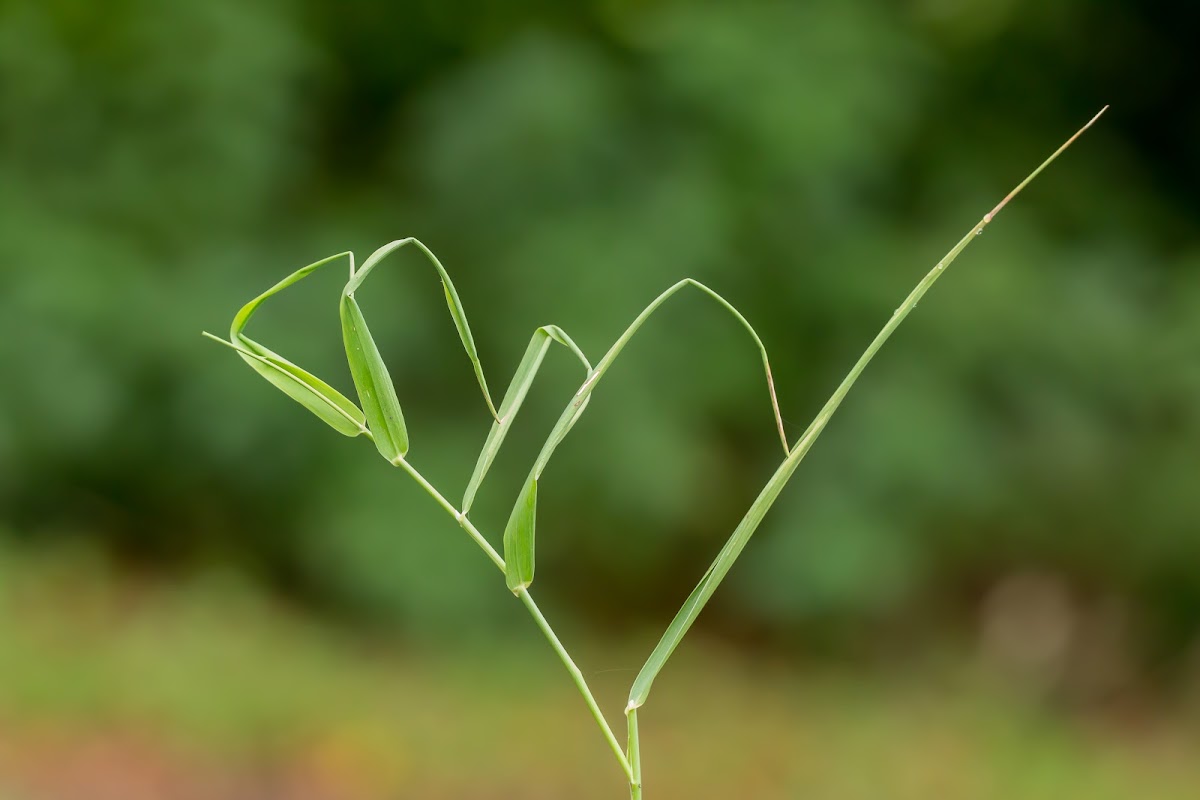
577	676
631	762
471	530
635	757
538	618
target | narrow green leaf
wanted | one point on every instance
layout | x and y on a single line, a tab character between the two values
562	427
766	498
712	578
519	539
526	506
518	388
578	404
375	389
306	389
452	301
247	311
602	367
518	534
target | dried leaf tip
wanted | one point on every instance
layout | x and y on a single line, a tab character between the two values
775	407
988	216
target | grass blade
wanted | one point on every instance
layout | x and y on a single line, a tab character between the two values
519	532
452	301
513	398
766	498
609	357
243	316
320	398
519	539
375	389
525	510
578	404
330	405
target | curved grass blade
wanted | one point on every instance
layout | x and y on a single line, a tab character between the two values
766	498
633	328
247	311
375	389
306	389
578	404
518	533
452	301
330	405
519	539
522	379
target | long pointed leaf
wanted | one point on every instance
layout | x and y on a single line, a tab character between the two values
602	367
518	388
330	405
578	404
766	498
519	542
519	539
306	389
452	301
247	311
524	513
375	389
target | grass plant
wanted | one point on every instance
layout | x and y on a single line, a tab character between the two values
377	416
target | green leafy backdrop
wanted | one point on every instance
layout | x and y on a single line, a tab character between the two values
162	162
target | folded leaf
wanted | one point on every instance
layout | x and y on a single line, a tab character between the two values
375	389
611	356
519	387
308	390
247	311
519	539
334	408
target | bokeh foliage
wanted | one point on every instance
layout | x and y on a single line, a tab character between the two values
161	163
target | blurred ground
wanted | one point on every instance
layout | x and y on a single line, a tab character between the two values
203	690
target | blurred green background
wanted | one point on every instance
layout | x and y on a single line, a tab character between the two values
984	582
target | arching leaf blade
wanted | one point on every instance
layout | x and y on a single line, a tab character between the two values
244	314
509	406
607	361
518	388
376	392
457	312
766	498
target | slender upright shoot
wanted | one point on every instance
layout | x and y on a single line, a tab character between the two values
378	417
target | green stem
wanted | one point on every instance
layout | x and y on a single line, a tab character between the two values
635	757
577	676
471	530
534	611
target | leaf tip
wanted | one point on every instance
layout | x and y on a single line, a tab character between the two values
988	217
